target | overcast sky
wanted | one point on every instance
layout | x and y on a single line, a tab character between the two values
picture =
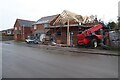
10	10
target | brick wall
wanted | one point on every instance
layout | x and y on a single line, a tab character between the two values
27	32
17	35
63	37
21	33
39	27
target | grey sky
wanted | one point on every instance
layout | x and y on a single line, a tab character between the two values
10	10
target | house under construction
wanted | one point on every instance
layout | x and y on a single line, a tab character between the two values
66	27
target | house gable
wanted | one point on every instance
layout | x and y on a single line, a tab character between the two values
43	23
16	25
22	28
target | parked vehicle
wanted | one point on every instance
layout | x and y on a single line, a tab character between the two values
31	40
89	37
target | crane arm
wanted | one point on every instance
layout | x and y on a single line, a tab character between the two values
91	30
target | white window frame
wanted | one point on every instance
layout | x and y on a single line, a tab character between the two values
15	28
8	32
35	27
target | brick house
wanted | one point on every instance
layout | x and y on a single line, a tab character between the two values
64	34
39	28
59	28
22	29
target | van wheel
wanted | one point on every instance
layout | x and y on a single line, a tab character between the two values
94	43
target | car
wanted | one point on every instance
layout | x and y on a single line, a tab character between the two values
31	41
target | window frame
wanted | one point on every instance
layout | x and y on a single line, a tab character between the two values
35	27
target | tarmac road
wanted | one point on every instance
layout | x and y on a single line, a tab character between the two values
19	61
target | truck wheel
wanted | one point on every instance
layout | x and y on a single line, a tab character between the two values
94	43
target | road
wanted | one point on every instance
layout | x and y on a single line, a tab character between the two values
20	61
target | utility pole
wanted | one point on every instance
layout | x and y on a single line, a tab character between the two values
68	34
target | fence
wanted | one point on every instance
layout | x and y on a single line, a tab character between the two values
4	38
114	38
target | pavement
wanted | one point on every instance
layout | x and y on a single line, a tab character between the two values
21	60
76	50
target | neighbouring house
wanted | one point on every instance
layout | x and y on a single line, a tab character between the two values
8	31
4	32
66	27
7	34
22	29
39	28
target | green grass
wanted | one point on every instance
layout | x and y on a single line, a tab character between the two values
115	49
9	35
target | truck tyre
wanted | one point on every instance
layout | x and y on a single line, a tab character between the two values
94	43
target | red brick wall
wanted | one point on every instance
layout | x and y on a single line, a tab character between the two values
17	36
63	37
27	32
20	36
32	29
39	27
75	32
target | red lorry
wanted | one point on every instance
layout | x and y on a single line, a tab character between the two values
91	37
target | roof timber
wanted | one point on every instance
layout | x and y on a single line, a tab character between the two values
71	25
65	15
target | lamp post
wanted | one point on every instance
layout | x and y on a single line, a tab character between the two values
71	41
